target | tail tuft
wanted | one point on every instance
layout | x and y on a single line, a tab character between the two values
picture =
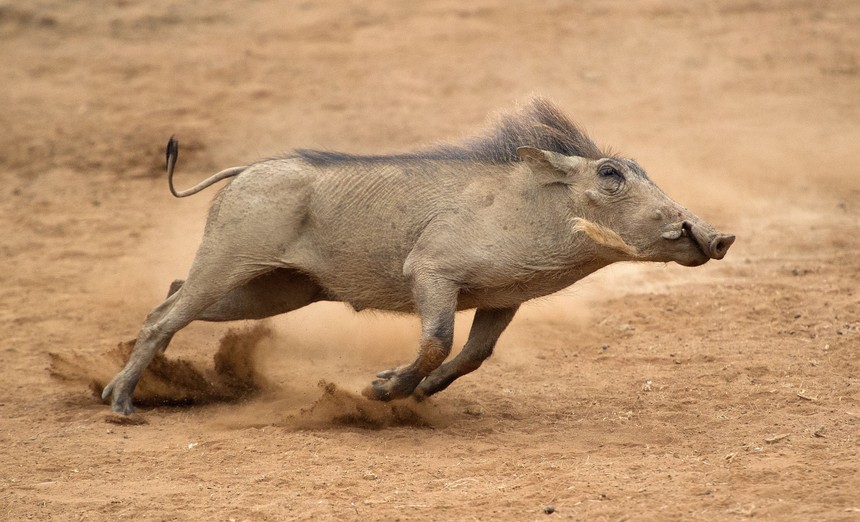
173	154
172	149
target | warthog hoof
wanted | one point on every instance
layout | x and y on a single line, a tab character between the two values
387	374
119	394
423	390
392	384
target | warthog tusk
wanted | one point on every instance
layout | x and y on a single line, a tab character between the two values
604	236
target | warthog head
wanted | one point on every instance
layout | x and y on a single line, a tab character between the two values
618	206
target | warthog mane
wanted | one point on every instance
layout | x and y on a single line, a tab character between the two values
539	123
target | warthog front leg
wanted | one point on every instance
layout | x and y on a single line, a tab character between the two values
486	329
437	301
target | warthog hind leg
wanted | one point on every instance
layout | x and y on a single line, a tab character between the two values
277	292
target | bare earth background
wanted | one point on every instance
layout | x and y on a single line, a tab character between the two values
646	392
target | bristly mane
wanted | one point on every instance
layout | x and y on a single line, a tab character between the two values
538	124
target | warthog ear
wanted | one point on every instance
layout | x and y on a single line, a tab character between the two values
550	167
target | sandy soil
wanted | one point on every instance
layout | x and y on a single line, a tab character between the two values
728	391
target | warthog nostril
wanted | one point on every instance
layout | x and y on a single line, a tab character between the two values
720	245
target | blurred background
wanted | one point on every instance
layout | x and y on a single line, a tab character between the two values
745	111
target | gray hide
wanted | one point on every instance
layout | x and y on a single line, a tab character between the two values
525	210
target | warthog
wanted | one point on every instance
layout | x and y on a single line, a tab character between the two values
522	211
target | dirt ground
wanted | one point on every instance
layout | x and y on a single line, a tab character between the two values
646	392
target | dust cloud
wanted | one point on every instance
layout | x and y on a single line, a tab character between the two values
275	372
173	382
344	408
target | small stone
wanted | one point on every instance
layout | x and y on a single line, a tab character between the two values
549	510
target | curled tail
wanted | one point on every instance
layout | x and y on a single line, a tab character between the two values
173	155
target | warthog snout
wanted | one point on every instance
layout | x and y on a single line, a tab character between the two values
707	242
720	245
712	243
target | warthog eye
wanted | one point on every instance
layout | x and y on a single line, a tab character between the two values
610	179
608	171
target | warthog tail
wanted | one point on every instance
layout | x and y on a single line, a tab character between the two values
173	155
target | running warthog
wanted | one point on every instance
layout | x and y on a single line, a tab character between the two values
525	210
